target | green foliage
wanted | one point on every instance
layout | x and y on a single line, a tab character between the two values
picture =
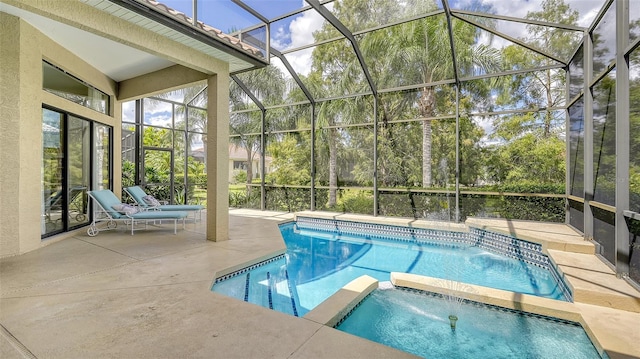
239	176
244	199
287	199
291	160
354	201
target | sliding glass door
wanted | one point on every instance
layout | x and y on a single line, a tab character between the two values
75	159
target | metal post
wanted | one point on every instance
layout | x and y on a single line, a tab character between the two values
375	155
138	141
457	154
187	145
194	6
622	138
313	156
263	191
567	142
588	137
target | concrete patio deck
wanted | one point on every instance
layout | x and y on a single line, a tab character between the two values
148	296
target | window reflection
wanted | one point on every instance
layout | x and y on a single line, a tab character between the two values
604	139
78	175
102	153
604	41
634	20
576	154
52	158
576	74
66	86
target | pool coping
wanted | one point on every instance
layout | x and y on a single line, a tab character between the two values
340	304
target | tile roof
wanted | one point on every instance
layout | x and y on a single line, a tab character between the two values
215	33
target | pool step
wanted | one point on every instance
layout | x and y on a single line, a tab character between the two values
293	301
279	292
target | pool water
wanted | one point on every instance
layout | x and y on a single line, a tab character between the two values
318	263
418	323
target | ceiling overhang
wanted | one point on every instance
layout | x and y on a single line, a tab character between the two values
120	60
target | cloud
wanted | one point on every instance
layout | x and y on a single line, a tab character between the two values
301	31
158	118
129	111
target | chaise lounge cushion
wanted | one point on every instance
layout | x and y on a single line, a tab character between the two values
159	215
180	207
138	195
151	200
126	208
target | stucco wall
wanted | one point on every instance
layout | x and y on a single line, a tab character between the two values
22	51
9	133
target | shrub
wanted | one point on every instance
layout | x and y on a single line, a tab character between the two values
239	176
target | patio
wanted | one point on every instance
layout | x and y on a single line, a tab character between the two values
148	295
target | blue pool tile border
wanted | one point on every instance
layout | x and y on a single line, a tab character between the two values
469	302
249	268
493	307
506	245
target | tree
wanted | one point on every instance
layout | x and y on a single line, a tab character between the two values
532	147
267	85
543	89
290	162
419	52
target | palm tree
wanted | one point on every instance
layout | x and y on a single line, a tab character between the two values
268	86
424	50
417	52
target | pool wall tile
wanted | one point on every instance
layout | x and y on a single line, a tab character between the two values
249	268
498	243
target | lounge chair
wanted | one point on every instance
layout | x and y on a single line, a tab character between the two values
108	208
142	199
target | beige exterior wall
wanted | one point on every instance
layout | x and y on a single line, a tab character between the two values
9	133
22	49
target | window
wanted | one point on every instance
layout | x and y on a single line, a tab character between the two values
60	83
240	165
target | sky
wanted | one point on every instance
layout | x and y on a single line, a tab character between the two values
297	30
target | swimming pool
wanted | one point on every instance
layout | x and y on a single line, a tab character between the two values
418	323
324	255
